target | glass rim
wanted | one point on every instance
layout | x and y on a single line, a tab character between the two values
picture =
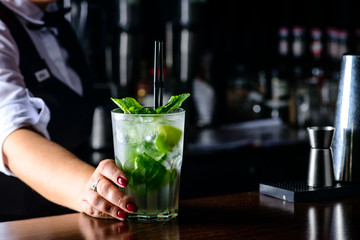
176	111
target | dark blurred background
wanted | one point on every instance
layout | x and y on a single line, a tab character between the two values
215	41
259	72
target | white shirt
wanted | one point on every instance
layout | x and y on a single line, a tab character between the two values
18	107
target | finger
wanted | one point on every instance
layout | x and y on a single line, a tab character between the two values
109	169
98	207
114	196
101	204
91	211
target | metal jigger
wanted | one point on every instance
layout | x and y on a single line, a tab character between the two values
321	173
347	122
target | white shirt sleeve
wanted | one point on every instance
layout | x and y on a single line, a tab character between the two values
18	107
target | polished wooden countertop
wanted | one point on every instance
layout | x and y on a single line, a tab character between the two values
235	216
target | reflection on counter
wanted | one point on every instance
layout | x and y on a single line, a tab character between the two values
92	229
325	220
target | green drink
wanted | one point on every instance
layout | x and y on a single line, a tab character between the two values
149	150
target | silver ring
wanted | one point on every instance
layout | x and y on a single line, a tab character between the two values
94	187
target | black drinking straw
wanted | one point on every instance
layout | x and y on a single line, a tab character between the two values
161	86
158	74
156	79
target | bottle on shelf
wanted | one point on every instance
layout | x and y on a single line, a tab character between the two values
143	87
357	40
299	98
319	88
343	43
204	93
332	44
299	46
239	87
333	64
280	79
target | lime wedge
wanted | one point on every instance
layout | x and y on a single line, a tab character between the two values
167	137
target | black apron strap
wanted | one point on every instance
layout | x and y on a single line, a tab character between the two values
35	63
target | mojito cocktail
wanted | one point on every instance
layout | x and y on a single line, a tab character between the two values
149	150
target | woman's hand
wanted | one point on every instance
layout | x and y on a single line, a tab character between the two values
105	200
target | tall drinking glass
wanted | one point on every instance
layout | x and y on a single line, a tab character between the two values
149	150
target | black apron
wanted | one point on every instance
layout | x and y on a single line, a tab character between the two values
71	114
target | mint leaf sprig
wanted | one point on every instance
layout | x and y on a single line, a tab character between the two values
131	106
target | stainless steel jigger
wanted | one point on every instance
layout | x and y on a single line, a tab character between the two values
321	173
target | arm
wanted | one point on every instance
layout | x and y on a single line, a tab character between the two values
29	155
45	166
61	177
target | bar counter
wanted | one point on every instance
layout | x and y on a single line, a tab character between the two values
233	216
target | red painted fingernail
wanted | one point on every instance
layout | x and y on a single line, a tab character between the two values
132	207
122	181
122	214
